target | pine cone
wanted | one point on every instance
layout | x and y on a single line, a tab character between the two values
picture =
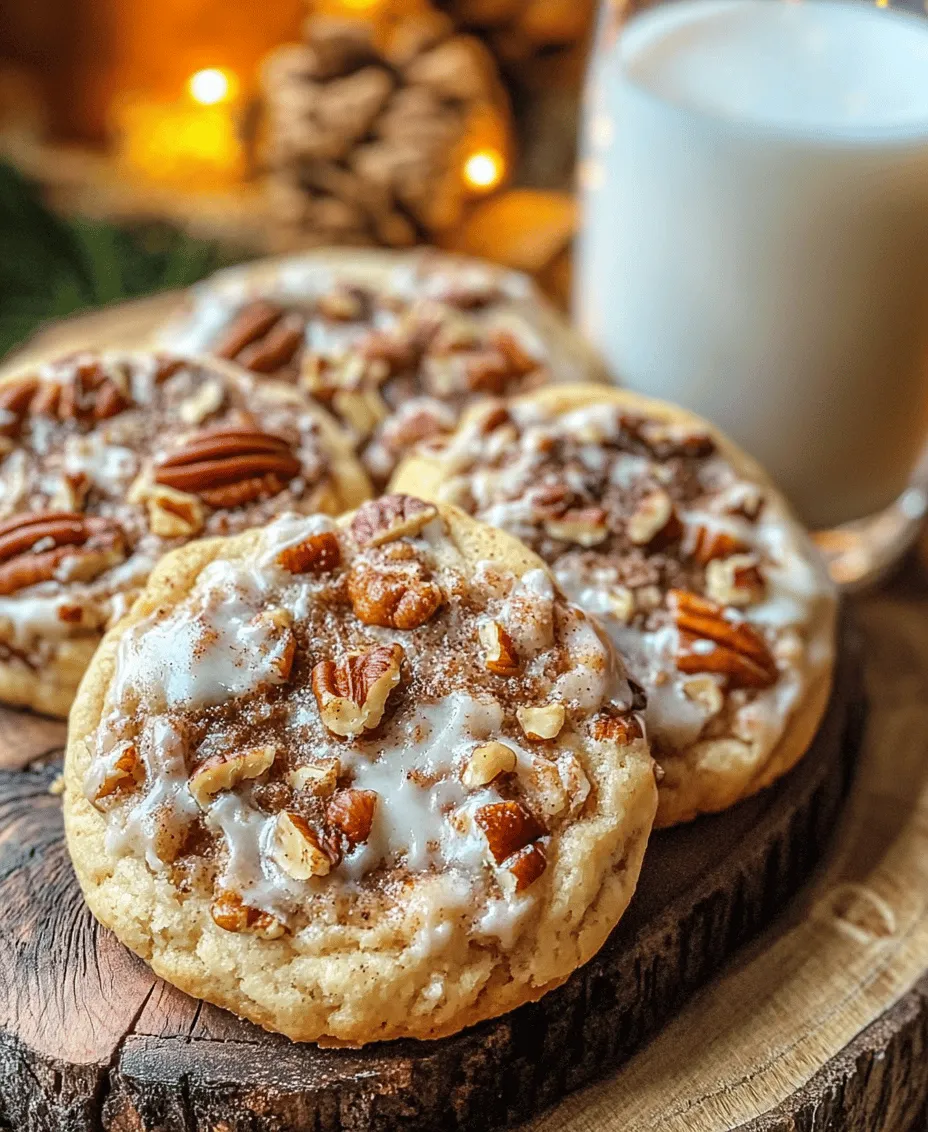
368	125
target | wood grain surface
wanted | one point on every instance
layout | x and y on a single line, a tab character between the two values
819	1023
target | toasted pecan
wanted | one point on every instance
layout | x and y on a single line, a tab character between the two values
711	642
220	458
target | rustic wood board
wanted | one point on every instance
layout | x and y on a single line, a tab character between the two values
822	1023
88	1035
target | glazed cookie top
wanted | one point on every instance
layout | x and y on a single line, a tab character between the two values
339	727
107	461
707	585
393	343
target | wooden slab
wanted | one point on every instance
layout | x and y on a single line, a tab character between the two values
89	1035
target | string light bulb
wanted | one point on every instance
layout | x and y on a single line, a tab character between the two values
484	169
211	86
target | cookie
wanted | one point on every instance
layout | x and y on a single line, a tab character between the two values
657	524
107	461
359	780
394	343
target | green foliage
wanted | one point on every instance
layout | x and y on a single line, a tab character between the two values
51	266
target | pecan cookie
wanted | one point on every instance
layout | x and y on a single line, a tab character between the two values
106	462
659	525
358	780
394	343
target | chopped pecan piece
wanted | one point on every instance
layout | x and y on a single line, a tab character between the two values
519	360
488	761
227	467
351	814
34	545
223	771
232	914
352	693
15	399
710	642
125	770
508	827
172	513
539	723
389	518
315	554
654	522
343	304
396	595
527	865
500	654
319	778
298	849
585	526
616	728
666	440
705	544
735	581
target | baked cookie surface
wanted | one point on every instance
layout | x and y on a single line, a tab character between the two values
394	343
657	524
106	462
358	781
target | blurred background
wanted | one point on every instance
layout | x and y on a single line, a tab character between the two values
143	145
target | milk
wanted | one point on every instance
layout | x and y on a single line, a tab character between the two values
755	235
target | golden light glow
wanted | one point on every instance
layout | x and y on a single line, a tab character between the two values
359	5
484	169
211	85
193	145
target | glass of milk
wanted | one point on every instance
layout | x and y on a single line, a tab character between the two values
754	243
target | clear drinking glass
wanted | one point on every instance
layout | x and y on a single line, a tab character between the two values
754	244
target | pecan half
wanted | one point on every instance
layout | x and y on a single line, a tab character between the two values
228	467
395	595
710	642
352	693
243	340
389	518
34	545
277	348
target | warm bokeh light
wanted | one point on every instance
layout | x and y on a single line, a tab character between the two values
359	5
484	169
210	86
197	146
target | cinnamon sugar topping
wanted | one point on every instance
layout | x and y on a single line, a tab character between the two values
385	756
